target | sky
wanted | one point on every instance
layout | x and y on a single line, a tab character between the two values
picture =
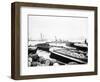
65	28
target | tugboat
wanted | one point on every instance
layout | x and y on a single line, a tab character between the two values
32	50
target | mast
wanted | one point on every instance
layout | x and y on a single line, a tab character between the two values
41	36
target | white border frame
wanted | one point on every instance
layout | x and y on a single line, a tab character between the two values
25	70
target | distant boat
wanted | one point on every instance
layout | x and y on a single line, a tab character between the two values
43	46
81	46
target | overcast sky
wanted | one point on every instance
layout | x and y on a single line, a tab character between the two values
65	28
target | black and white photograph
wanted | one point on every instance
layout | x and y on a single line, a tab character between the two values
55	40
